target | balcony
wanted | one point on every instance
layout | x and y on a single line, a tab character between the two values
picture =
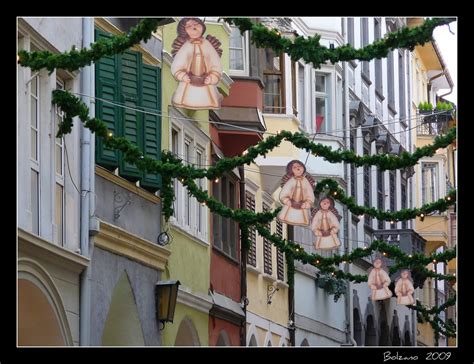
408	240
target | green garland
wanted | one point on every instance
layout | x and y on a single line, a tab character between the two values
331	285
74	59
332	188
447	328
311	51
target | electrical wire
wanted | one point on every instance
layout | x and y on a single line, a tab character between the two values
141	109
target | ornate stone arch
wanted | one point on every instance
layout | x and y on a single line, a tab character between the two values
268	339
252	336
223	339
33	272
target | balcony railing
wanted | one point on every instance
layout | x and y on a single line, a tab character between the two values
407	240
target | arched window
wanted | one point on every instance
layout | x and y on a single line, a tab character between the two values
187	334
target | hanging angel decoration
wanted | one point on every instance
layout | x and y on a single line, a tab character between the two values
379	281
404	289
296	195
196	66
325	224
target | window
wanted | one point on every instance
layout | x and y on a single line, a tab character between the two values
267	247
380	195
378	62
401	86
280	256
393	191
351	76
378	108
274	99
301	98
188	145
364	31
34	155
390	81
175	151
353	139
365	93
403	195
350	31
293	88
59	167
339	111
429	182
322	92
238	64
126	79
252	253
367	184
403	136
225	229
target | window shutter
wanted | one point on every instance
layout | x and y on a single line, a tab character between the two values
132	120
151	100
107	88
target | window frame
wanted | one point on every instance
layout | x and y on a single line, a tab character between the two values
266	72
192	135
225	245
327	96
436	180
252	258
245	55
58	115
35	163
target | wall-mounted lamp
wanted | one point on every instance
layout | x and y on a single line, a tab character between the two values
271	289
166	294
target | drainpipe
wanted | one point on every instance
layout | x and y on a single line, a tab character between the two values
87	188
348	297
243	265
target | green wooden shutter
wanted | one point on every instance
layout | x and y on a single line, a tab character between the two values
151	98
132	120
106	87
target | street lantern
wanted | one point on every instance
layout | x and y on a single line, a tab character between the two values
166	293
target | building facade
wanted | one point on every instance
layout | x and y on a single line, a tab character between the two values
435	176
50	260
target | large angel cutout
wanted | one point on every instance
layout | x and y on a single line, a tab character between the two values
404	289
325	224
378	281
296	195
196	66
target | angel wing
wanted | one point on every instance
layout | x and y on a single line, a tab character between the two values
215	43
284	179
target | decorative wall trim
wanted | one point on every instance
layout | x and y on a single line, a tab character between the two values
36	246
121	242
267	325
122	182
317	327
194	300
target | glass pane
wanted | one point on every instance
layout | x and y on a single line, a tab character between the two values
276	63
233	226
59	160
215	217
34	145
59	214
34	202
174	141
224	221
320	114
320	83
236	39
236	59
273	97
34	86
34	112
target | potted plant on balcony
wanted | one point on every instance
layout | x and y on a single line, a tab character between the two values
425	108
444	112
